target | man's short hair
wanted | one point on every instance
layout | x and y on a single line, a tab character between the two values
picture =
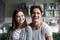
35	6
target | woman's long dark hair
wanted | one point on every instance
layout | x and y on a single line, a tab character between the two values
14	22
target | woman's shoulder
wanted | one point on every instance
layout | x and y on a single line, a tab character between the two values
28	26
10	30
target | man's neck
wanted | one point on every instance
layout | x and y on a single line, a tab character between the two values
36	25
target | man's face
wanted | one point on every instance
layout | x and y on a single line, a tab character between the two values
36	15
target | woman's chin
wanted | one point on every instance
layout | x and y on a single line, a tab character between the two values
21	23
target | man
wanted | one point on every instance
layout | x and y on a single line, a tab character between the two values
40	30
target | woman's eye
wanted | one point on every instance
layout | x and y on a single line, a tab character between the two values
18	16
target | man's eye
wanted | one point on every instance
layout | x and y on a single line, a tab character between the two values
33	12
38	13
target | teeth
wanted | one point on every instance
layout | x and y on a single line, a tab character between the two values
36	17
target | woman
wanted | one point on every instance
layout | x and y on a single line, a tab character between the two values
19	30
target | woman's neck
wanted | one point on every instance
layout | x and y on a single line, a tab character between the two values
19	26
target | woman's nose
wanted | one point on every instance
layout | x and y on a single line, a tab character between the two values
20	18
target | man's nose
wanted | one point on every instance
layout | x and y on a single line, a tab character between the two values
35	14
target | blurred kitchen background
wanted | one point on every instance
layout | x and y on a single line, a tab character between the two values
50	15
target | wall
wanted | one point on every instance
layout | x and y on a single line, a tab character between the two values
2	11
10	5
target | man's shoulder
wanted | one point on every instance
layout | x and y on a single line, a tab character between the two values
45	27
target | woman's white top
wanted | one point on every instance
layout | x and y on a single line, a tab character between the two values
16	34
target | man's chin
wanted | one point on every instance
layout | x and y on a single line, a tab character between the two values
35	21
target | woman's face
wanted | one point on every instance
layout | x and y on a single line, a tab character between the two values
20	18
